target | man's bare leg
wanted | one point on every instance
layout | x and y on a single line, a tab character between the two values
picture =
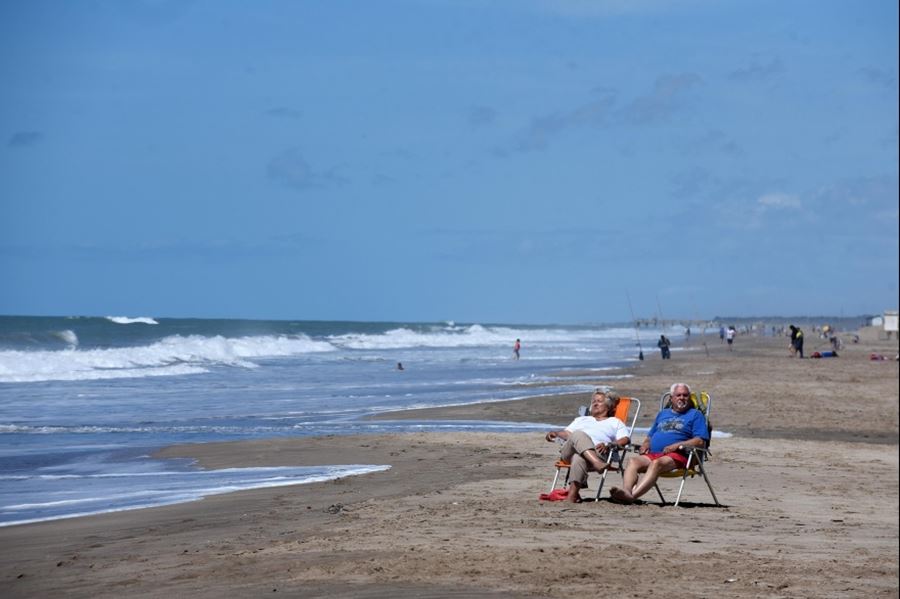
654	469
633	468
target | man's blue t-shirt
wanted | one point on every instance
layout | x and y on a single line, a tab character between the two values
672	427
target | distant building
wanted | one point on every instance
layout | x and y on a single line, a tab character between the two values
890	322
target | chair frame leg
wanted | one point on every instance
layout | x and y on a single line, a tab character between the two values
709	484
555	480
702	471
614	455
659	492
680	489
556	477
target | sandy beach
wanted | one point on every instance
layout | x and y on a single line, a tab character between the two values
809	483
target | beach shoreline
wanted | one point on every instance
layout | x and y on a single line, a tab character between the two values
457	514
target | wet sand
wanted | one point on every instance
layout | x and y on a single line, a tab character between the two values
809	483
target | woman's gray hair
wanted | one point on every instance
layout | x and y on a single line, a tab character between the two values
610	398
675	385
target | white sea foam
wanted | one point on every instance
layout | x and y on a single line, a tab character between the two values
471	336
172	356
170	488
73	365
127	320
180	355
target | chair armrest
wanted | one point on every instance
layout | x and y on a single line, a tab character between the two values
697	454
635	447
701	450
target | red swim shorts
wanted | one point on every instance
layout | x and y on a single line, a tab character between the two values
679	458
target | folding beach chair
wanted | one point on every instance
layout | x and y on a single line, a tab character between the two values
615	455
696	464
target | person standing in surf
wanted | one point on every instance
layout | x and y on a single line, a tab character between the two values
516	348
663	345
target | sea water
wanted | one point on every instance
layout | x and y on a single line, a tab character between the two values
85	401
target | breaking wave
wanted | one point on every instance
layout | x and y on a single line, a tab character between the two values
171	356
178	354
127	320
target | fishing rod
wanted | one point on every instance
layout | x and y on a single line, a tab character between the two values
703	325
636	333
659	313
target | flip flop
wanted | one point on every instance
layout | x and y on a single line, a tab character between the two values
554	495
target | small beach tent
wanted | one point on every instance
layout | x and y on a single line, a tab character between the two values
697	457
627	405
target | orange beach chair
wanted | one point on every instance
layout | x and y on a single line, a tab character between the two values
627	405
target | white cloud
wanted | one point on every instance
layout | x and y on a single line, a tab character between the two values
778	200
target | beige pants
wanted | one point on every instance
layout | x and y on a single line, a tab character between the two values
577	443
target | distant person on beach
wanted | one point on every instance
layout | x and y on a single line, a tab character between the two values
729	336
587	439
796	346
663	345
516	348
663	450
835	341
722	334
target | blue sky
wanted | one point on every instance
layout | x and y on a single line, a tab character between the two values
519	161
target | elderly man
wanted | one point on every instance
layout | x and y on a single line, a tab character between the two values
589	436
665	448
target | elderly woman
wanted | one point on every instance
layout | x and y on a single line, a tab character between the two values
587	437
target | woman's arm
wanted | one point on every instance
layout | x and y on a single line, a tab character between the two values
562	434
